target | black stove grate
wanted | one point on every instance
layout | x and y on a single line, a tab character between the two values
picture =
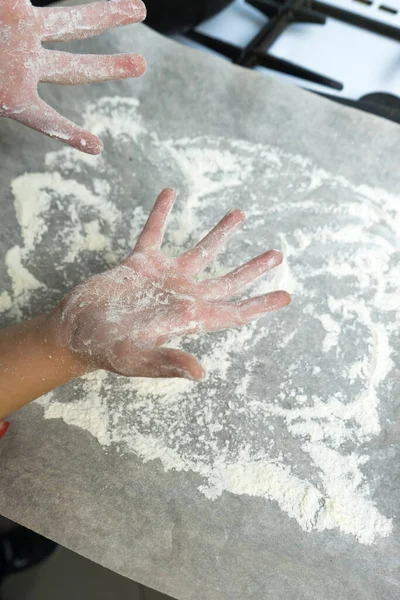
281	14
358	20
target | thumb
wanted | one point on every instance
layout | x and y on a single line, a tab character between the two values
169	362
132	360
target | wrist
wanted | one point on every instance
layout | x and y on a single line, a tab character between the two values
51	333
33	362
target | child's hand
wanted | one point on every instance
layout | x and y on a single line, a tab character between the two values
24	62
117	320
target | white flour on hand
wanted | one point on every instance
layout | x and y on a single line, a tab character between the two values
292	402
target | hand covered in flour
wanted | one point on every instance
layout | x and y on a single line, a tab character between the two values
24	62
119	319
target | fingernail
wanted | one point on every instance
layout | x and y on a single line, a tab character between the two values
201	374
3	429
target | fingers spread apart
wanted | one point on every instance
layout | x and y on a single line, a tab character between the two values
232	284
203	254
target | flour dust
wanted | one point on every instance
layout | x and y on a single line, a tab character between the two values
292	403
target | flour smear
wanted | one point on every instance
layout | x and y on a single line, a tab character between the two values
293	403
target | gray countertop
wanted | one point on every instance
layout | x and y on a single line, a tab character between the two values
281	484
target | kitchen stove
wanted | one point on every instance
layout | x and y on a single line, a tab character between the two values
348	50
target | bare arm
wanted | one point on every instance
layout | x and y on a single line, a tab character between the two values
118	320
32	364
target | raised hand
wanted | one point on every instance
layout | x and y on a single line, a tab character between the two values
118	320
24	62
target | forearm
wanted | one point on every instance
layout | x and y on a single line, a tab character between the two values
32	363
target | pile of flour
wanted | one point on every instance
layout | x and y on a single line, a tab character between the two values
292	402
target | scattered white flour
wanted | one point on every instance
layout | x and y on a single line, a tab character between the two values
90	407
332	329
22	281
268	421
95	241
5	302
